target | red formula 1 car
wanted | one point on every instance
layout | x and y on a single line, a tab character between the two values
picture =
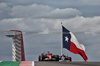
48	57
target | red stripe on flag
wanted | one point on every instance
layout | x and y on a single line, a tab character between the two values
76	50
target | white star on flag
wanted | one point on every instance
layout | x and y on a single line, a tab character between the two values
66	38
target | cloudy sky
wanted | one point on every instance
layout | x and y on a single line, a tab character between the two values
32	17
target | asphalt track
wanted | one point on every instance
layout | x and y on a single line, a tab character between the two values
67	63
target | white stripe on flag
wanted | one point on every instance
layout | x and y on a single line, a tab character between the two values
33	64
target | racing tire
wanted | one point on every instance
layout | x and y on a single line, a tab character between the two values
39	58
70	59
57	57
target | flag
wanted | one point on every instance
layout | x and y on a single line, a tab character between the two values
71	43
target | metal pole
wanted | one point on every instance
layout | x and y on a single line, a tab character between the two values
61	40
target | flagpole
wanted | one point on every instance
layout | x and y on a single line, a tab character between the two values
61	40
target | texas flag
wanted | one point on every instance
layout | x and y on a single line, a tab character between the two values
71	43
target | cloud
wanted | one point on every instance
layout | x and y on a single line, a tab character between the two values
83	24
4	11
77	24
43	11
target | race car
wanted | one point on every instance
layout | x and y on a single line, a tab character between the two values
65	58
48	57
